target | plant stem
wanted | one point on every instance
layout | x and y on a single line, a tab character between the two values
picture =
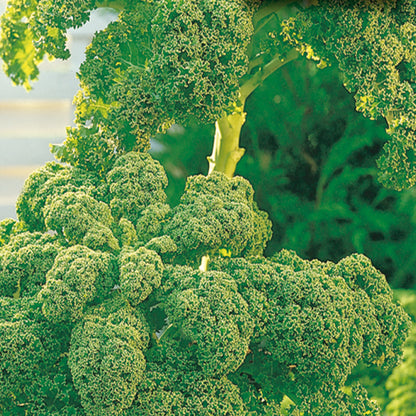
226	151
204	263
257	79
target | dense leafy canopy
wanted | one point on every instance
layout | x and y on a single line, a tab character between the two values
144	326
179	61
161	61
104	309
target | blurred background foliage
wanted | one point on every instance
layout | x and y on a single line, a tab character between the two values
311	159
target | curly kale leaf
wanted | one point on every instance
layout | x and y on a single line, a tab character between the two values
35	28
33	197
100	212
106	358
300	315
338	404
212	317
9	228
150	223
372	43
18	52
202	55
161	62
33	371
217	213
79	275
81	219
135	182
313	323
49	181
385	326
24	263
140	273
168	389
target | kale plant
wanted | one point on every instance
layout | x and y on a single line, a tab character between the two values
314	173
115	303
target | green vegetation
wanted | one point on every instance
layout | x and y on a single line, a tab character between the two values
115	300
311	159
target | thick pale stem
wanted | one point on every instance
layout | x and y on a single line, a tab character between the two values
226	151
204	263
257	79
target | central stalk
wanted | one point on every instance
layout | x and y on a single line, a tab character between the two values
226	151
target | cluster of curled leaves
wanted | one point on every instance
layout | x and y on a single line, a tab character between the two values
373	44
105	310
161	61
400	385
